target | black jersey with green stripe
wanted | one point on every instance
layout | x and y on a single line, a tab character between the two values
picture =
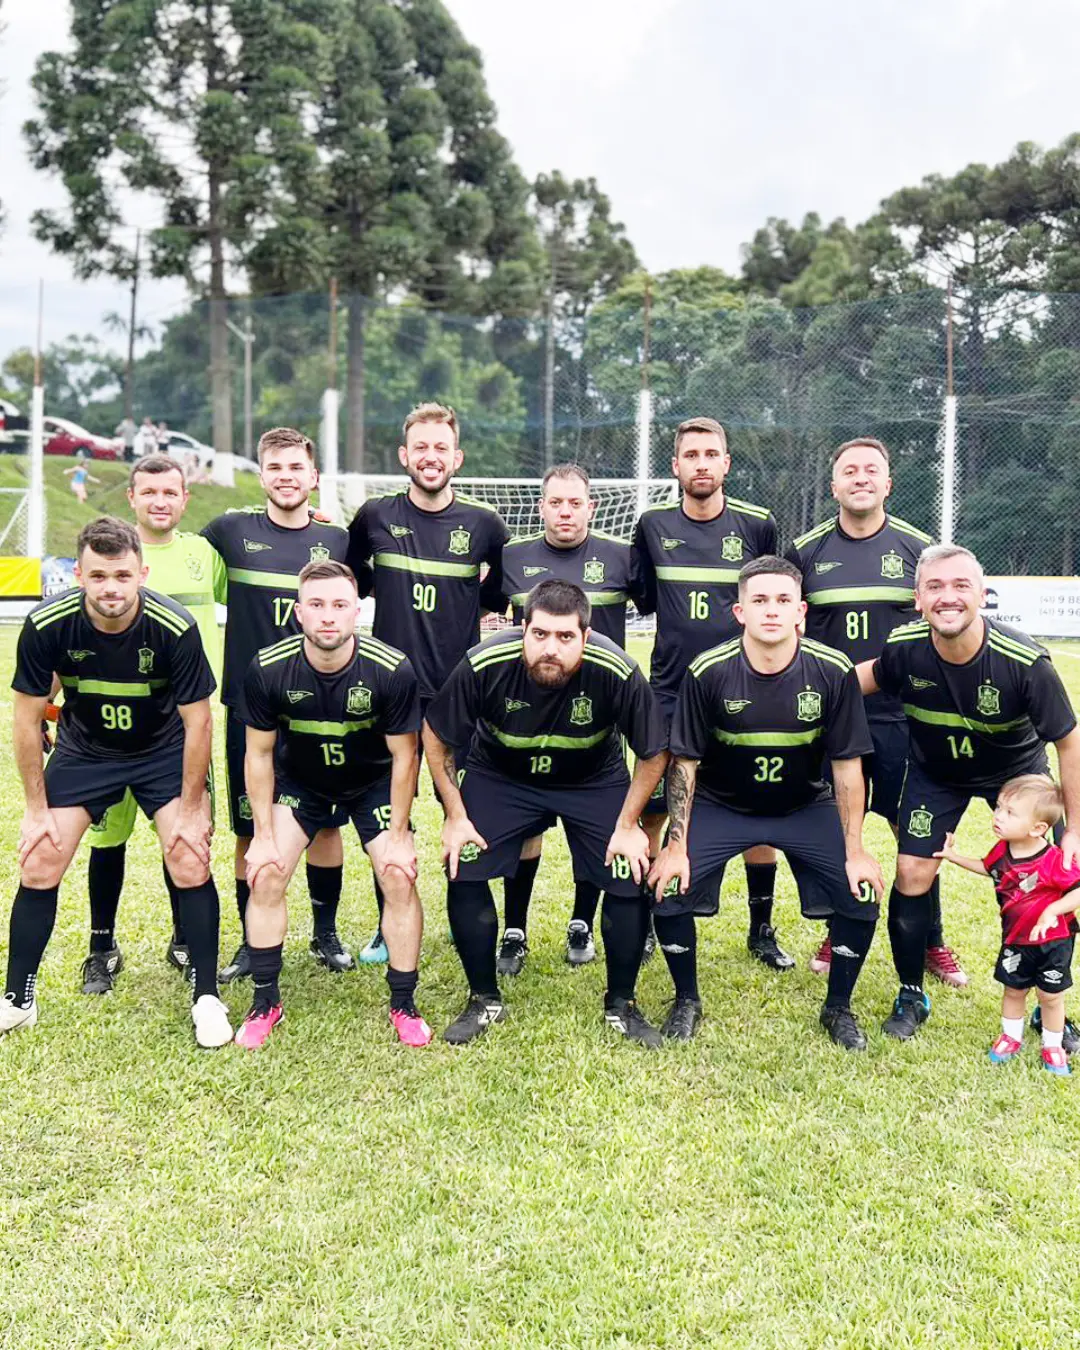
762	740
689	574
975	725
332	729
549	737
258	581
600	565
427	568
121	690
858	590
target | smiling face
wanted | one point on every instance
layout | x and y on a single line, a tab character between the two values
950	592
770	607
860	480
701	464
159	500
288	476
553	647
111	584
327	610
430	456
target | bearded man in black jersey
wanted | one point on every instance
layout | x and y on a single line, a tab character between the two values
548	706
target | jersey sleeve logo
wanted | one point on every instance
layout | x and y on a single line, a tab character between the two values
146	660
731	548
358	700
736	705
921	823
400	531
892	566
819	568
593	573
460	541
295	695
320	553
581	711
533	571
251	546
195	567
988	700
669	544
808	706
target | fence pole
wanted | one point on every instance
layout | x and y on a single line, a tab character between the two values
35	502
948	473
328	439
643	468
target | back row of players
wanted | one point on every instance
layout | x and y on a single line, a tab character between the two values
525	728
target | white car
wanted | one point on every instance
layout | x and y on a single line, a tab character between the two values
181	445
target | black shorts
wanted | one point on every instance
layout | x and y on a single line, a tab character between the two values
240	818
884	769
369	812
506	813
657	803
73	779
929	811
811	839
1046	966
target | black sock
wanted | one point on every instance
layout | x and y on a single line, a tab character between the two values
623	924
174	905
475	928
380	899
265	970
909	919
518	891
105	881
402	987
200	914
586	899
324	887
935	936
851	939
32	918
760	889
243	894
677	936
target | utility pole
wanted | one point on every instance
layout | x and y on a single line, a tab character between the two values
247	337
549	362
129	373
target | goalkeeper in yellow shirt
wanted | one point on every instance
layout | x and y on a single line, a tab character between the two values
182	567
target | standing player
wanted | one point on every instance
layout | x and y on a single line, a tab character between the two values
567	549
981	700
426	548
331	718
550	704
755	721
688	555
261	551
858	570
136	715
180	566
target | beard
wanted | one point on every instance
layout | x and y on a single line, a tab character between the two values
329	644
431	490
701	489
114	613
283	505
549	675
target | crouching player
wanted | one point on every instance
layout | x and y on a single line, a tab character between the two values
1038	897
332	720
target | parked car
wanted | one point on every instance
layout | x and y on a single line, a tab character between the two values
181	445
14	427
65	438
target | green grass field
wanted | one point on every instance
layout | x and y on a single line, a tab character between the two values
549	1186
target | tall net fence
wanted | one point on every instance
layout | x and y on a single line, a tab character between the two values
788	384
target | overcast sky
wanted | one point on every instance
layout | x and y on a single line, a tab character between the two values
699	118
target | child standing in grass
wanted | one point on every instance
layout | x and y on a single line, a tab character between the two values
1038	899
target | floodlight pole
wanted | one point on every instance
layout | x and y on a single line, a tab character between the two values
35	502
247	337
328	437
948	449
644	413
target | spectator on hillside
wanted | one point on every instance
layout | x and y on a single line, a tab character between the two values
162	434
146	440
127	431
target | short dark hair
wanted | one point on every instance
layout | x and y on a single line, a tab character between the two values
871	442
769	565
285	438
558	597
155	464
109	537
325	571
565	471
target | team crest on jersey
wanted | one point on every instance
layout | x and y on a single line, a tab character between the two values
593	572
819	568
669	544
320	553
988	700
731	548
146	660
243	807
250	546
358	700
460	541
400	531
533	571
194	566
581	711
515	705
1028	882
921	823
892	566
80	655
736	705
469	852
808	705
295	695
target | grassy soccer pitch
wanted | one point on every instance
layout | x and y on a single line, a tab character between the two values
549	1186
